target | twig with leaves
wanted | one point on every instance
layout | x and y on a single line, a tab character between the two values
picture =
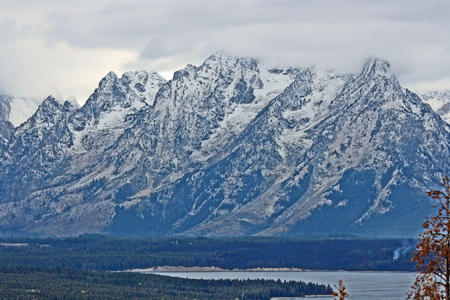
340	293
432	255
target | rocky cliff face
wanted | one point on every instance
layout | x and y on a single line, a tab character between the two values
6	127
227	148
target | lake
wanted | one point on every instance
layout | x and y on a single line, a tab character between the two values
360	285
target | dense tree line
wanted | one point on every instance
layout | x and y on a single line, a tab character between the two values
109	253
61	283
112	253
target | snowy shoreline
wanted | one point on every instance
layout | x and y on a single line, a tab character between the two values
217	269
214	269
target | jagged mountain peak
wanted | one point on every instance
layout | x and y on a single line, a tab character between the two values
223	60
140	76
133	91
219	65
222	56
376	86
142	85
229	75
225	56
111	76
187	71
50	101
48	107
108	93
377	67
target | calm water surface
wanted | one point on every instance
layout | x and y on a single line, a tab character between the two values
360	285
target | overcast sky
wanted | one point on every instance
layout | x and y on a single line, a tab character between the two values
64	47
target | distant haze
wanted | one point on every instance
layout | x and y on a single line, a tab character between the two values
64	48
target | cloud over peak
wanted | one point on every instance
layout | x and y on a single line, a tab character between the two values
79	40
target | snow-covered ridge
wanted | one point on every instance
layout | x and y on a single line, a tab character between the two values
439	102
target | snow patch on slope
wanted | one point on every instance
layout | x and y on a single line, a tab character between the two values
22	109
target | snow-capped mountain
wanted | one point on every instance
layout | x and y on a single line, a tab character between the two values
230	147
439	101
13	112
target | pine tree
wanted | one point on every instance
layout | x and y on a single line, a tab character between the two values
432	254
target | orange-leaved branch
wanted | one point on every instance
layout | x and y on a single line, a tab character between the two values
432	254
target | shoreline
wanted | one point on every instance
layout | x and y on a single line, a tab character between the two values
168	269
213	269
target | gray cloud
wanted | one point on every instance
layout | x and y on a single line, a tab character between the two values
164	35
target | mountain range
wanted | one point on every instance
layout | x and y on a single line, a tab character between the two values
230	147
